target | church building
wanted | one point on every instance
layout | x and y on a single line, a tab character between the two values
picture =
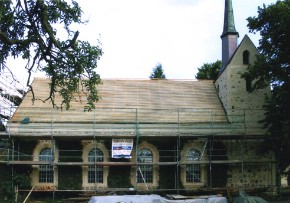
150	135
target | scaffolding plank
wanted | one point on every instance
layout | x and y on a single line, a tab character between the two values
134	163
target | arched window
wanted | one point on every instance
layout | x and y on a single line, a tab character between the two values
246	57
95	173
145	172
46	171
193	171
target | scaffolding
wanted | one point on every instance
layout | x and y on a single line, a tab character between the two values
172	127
11	94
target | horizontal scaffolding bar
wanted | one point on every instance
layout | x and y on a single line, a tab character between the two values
133	163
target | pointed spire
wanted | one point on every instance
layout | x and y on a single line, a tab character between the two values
230	35
229	21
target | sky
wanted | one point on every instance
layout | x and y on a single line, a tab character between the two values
181	35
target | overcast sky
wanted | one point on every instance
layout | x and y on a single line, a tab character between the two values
182	35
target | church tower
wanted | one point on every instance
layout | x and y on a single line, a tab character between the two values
234	91
230	35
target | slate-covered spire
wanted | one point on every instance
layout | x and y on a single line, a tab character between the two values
230	35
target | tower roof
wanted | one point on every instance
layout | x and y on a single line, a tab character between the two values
229	21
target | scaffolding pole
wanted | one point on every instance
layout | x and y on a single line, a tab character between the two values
176	140
137	143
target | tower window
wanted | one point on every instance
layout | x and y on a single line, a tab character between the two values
246	57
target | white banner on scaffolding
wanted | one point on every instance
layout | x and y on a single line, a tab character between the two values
122	148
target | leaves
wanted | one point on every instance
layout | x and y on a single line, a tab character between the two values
209	71
273	67
29	29
157	72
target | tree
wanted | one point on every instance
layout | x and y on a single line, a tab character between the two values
34	30
209	71
157	72
273	67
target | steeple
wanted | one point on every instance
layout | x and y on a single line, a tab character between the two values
229	21
230	35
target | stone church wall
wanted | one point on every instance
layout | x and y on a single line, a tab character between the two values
255	169
240	103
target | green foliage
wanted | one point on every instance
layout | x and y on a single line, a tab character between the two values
7	190
166	173
273	67
19	178
277	121
157	72
22	181
219	172
119	177
31	30
5	184
167	177
209	71
69	178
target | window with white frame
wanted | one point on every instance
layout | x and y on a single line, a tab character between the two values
193	171
145	172
95	173
46	173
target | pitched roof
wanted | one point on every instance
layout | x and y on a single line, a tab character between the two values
120	99
246	39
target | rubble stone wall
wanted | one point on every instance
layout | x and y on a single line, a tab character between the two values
256	170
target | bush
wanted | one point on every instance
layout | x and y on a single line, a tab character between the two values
69	178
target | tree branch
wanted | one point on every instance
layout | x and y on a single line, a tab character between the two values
6	40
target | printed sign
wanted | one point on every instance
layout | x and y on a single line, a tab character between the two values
122	148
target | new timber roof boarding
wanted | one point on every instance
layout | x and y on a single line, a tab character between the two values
124	101
127	108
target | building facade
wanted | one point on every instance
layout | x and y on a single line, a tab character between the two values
150	135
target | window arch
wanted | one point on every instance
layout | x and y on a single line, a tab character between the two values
95	173
146	155
46	173
145	172
246	57
193	171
